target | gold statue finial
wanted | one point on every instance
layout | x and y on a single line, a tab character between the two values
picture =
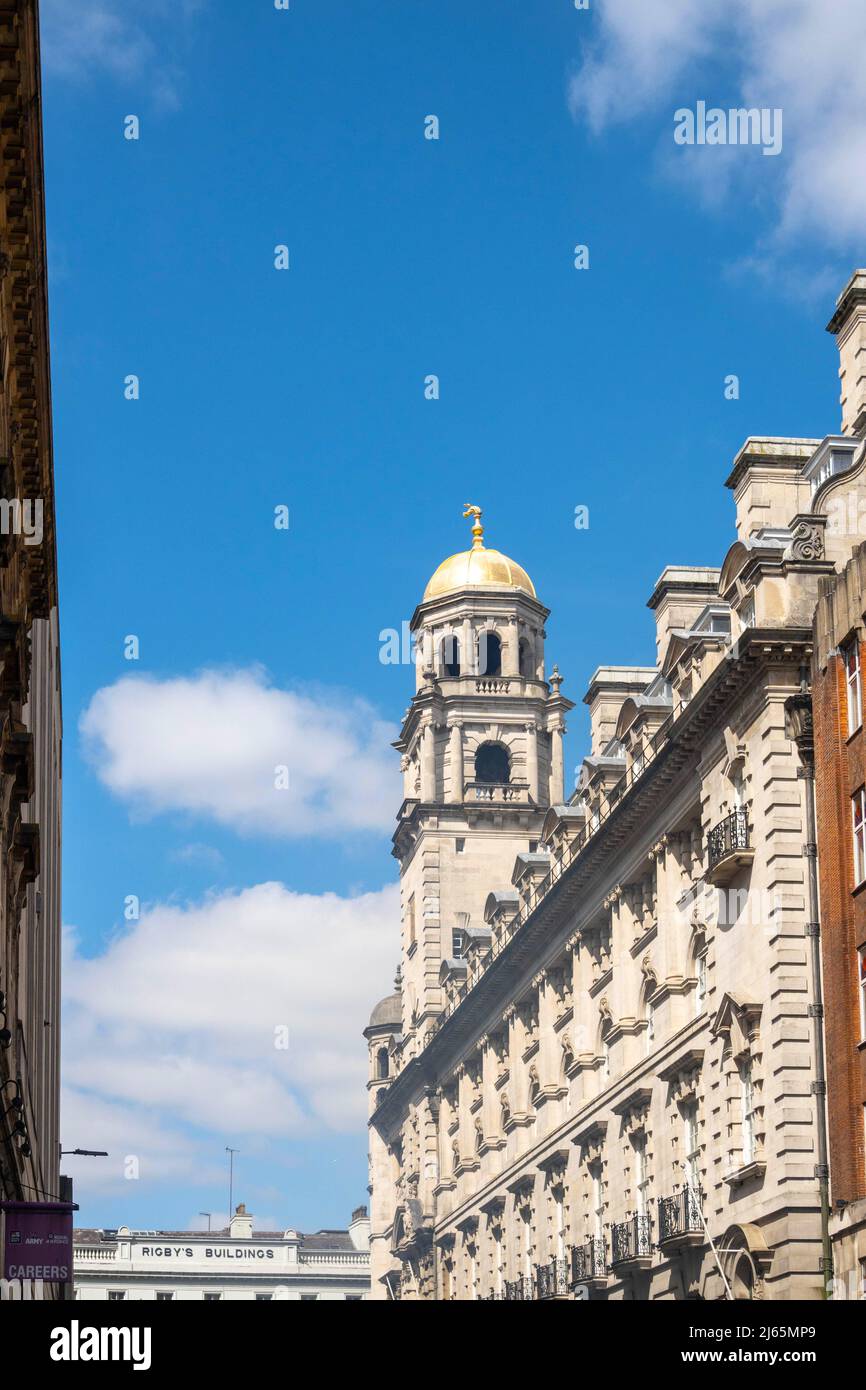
477	529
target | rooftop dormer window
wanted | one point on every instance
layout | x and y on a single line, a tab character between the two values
833	456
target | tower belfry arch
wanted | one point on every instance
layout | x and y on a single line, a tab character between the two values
481	753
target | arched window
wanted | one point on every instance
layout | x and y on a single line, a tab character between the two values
450	656
492	764
604	1043
489	655
648	1013
382	1064
527	660
699	970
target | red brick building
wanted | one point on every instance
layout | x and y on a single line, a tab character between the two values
840	756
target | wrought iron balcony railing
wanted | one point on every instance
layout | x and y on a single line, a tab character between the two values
588	1261
680	1215
520	1290
631	1240
551	1279
726	838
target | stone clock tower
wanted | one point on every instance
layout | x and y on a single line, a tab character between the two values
482	758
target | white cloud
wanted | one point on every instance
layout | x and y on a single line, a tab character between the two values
198	855
210	745
80	38
803	57
92	34
164	1154
173	1026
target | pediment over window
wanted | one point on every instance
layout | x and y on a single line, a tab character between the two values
634	1109
501	904
737	1020
453	969
652	710
523	1186
591	1140
684	1075
561	824
494	1206
555	1162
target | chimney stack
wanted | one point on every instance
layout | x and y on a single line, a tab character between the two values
241	1225
359	1229
849	325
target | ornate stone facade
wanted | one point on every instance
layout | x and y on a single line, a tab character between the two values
29	655
601	1073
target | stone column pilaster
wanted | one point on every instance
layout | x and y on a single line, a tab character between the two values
428	764
557	765
456	762
532	759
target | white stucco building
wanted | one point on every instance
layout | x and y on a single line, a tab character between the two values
238	1264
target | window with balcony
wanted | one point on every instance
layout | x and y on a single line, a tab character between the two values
597	1201
691	1146
526	1244
492	764
641	1175
558	1222
853	685
858	808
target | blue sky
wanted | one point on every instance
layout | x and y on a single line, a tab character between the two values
305	388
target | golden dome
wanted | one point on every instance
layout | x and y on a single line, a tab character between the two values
478	568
